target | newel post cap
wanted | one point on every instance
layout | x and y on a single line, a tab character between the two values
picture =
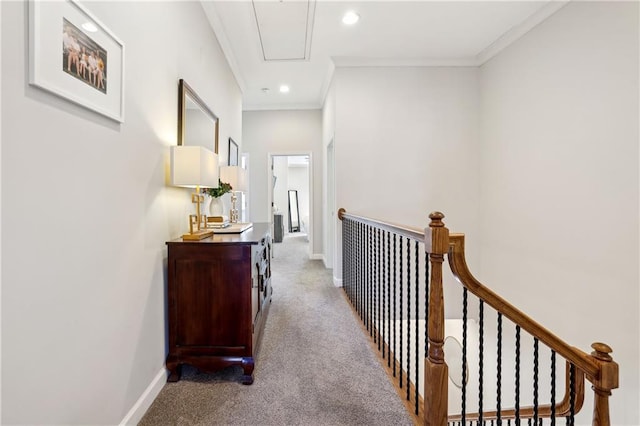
601	351
436	235
608	378
436	220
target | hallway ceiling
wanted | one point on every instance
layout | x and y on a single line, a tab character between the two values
269	43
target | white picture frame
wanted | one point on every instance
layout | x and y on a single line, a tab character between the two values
75	60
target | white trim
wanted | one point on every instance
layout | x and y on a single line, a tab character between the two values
143	403
326	84
337	282
519	30
317	256
353	61
218	29
280	106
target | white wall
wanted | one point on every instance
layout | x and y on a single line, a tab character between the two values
86	211
559	196
406	144
284	132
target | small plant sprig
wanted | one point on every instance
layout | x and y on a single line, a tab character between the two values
222	189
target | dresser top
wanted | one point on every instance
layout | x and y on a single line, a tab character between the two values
252	235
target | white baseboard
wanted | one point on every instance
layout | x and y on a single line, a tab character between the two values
337	282
316	256
143	403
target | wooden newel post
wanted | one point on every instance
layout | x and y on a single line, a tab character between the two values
602	385
436	371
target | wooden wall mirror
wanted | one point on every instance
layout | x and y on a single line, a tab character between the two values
197	124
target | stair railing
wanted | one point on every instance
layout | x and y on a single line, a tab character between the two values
370	281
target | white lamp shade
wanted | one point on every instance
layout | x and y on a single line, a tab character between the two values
193	166
235	176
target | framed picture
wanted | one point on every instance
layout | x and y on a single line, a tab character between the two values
73	55
233	153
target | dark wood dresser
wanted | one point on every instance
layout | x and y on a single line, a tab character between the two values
219	295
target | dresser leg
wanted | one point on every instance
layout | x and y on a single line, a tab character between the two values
247	367
175	369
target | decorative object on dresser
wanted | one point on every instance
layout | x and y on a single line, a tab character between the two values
216	207
219	298
237	178
194	167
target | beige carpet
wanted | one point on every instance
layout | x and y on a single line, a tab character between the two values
315	366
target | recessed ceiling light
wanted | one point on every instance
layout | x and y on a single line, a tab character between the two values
284	89
350	18
90	26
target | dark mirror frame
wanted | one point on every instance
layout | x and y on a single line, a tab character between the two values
185	90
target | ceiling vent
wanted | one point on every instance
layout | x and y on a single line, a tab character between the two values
285	29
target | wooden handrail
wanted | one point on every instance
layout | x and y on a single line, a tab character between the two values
405	231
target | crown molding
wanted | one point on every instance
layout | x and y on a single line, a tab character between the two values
281	106
352	61
326	84
516	32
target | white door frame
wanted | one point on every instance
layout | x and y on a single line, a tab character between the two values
330	214
270	156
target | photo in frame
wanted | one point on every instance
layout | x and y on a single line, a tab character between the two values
233	153
74	56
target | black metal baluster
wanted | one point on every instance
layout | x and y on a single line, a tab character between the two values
401	317
374	289
464	355
553	388
384	297
389	300
535	381
360	272
395	300
517	393
345	255
480	357
417	352
369	272
378	291
359	267
352	267
408	316
426	305
349	263
365	271
572	394
499	372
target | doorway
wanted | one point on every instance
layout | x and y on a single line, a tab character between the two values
291	180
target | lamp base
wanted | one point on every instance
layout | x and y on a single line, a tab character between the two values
197	235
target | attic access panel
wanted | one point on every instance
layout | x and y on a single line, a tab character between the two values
285	29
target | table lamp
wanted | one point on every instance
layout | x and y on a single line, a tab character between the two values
195	167
236	176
